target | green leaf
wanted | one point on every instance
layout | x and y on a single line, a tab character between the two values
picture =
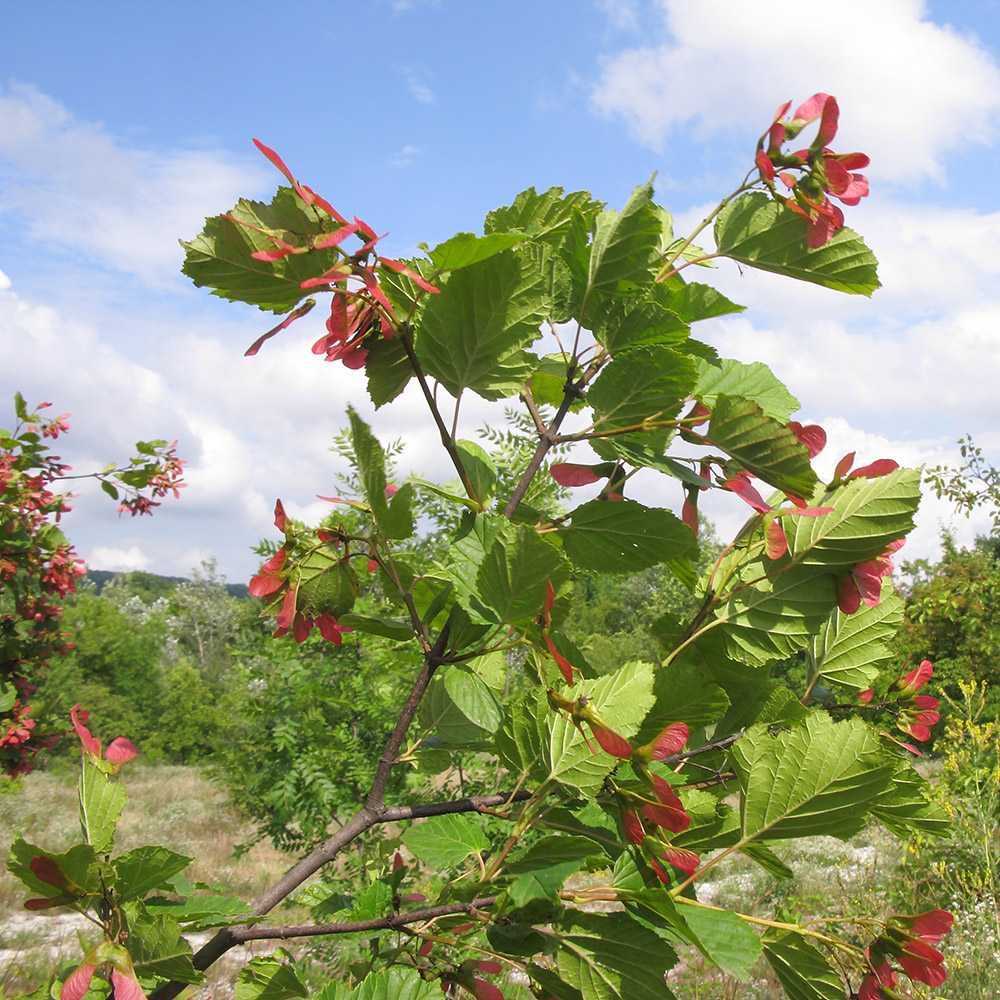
904	806
624	245
523	740
464	249
867	515
102	800
776	612
220	256
724	938
146	868
394	983
693	302
445	841
851	649
474	333
801	969
546	216
682	695
326	583
514	573
765	447
156	946
757	231
370	457
388	369
611	957
754	381
768	860
647	383
480	469
626	325
539	872
78	864
390	628
373	901
398	520
622	698
268	979
202	912
623	536
460	706
817	778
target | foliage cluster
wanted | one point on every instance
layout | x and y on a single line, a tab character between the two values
629	782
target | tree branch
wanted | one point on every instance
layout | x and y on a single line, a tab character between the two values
356	926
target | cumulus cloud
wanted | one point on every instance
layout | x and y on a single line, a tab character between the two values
723	63
76	186
118	560
415	77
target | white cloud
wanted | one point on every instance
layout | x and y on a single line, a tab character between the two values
415	77
403	157
118	560
79	187
910	91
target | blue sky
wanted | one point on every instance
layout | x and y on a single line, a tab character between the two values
123	125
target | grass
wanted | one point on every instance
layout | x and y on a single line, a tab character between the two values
176	807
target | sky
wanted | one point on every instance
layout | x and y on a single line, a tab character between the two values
122	126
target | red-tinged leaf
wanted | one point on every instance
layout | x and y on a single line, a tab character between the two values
740	484
764	165
925	702
270	256
414	897
877	469
686	861
91	744
660	873
828	125
930	926
126	986
425	948
335	238
568	474
550	599
331	277
915	729
330	629
287	321
280	517
483	990
78	983
274	158
670	741
48	871
264	584
807	511
494	968
375	290
810	110
287	612
401	268
301	627
848	595
866	696
609	740
689	512
45	903
632	825
812	436
844	465
276	561
565	667
352	356
120	750
669	813
777	543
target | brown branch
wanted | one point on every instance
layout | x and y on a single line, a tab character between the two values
356	926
